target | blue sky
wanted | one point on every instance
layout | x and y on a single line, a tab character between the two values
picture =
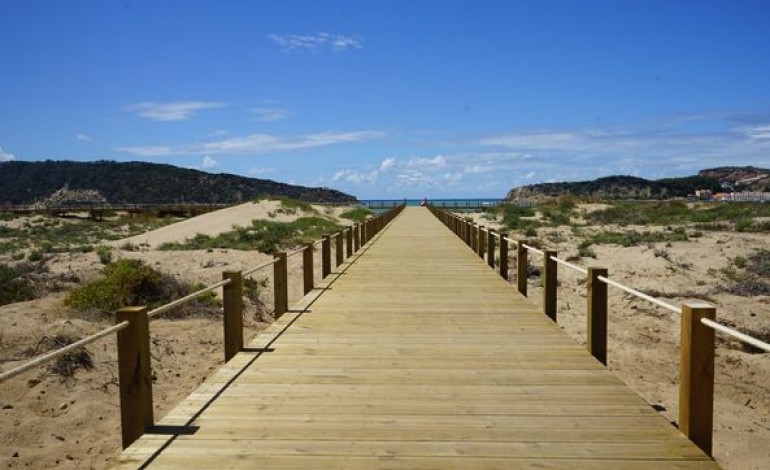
390	99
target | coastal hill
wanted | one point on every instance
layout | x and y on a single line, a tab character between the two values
141	182
631	187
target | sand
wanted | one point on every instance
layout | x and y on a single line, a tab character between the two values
46	423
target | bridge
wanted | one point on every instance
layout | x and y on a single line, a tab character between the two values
413	354
453	204
97	210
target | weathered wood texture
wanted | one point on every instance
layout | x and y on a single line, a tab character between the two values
417	356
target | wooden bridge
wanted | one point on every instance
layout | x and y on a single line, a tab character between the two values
414	354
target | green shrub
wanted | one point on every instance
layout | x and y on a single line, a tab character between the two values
585	251
129	282
126	282
740	262
556	213
13	286
358	214
104	253
512	215
35	255
634	238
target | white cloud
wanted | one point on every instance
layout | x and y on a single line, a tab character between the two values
426	163
579	154
208	163
757	132
172	111
255	143
355	176
270	114
5	156
529	175
477	169
146	151
84	138
317	42
388	164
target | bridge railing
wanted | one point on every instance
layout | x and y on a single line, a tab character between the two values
698	319
132	323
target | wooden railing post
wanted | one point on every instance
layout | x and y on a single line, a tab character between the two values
482	246
474	237
491	248
696	375
326	256
596	317
349	241
503	257
134	374
468	234
550	282
280	285
308	268
338	253
521	267
232	302
357	237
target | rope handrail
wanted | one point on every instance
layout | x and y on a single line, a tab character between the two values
187	298
639	294
532	248
757	343
297	251
62	351
570	265
257	268
512	241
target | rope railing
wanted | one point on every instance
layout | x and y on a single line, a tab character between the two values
183	300
514	242
640	294
40	360
295	252
258	267
533	249
570	265
133	343
757	343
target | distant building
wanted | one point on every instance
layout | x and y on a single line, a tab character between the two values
704	194
745	196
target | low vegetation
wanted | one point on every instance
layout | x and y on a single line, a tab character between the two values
752	276
67	364
357	214
720	216
14	285
128	282
263	235
48	235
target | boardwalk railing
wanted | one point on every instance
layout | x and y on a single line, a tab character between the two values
132	323
696	373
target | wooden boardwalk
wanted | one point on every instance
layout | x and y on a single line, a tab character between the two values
415	356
